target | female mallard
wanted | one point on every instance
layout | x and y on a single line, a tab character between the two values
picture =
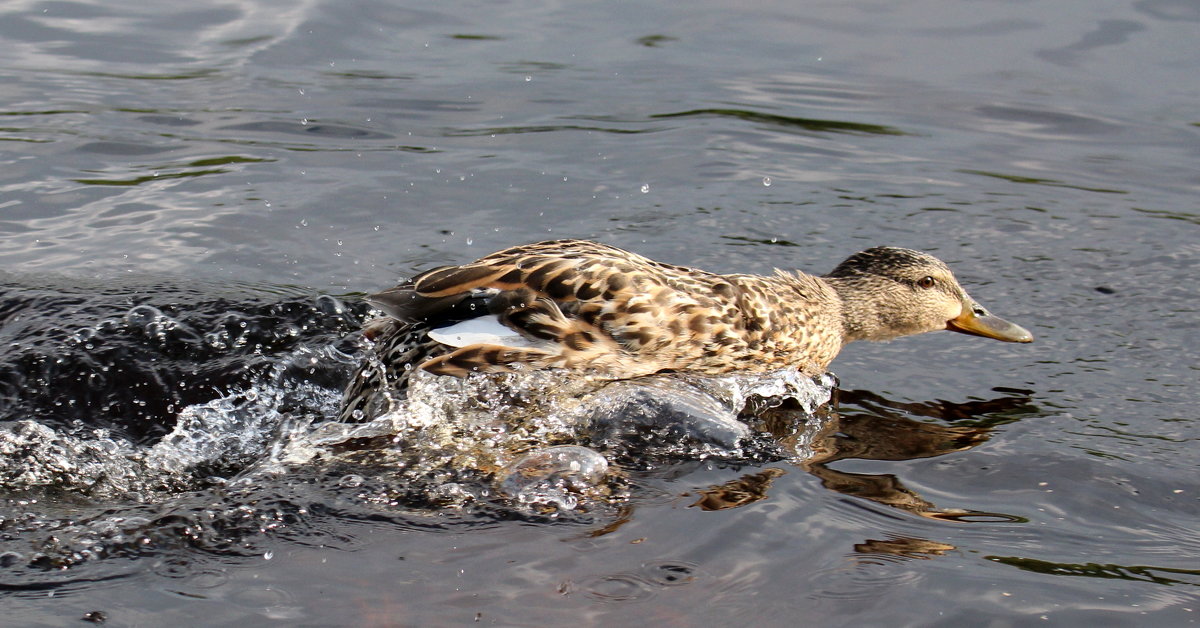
582	305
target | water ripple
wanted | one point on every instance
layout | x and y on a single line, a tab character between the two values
808	124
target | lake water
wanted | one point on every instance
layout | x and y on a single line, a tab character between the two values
193	194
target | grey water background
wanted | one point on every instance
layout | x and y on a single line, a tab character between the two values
1048	150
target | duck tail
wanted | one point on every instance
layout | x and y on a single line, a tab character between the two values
405	304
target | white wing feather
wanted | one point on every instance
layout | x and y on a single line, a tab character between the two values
483	330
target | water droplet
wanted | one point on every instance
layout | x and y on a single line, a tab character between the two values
470	241
645	188
528	78
304	121
767	181
268	555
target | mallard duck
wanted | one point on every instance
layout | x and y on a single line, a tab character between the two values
575	304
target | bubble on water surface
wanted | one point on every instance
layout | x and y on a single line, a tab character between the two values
554	476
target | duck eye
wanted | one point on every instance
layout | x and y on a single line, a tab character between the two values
926	282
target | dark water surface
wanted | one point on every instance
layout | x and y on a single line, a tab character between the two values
191	194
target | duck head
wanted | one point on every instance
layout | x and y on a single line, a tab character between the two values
888	292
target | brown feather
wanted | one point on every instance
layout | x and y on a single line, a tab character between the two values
599	307
455	279
484	359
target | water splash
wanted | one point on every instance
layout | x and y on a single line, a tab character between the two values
229	433
545	438
210	441
554	476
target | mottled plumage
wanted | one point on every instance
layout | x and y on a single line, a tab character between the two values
583	305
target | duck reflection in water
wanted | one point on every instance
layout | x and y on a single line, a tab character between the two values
866	426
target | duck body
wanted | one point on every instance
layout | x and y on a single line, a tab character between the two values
576	304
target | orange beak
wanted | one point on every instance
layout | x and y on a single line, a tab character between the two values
977	321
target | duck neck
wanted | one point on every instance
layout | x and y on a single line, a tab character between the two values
861	317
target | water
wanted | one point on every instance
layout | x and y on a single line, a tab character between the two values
192	196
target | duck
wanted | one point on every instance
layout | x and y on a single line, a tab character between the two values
591	307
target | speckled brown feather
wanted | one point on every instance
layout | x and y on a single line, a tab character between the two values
610	310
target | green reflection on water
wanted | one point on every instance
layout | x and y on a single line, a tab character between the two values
1140	573
1161	213
207	165
1036	181
747	241
810	124
149	76
515	130
150	177
27	140
229	159
654	41
47	112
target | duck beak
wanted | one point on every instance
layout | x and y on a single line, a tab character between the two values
977	321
